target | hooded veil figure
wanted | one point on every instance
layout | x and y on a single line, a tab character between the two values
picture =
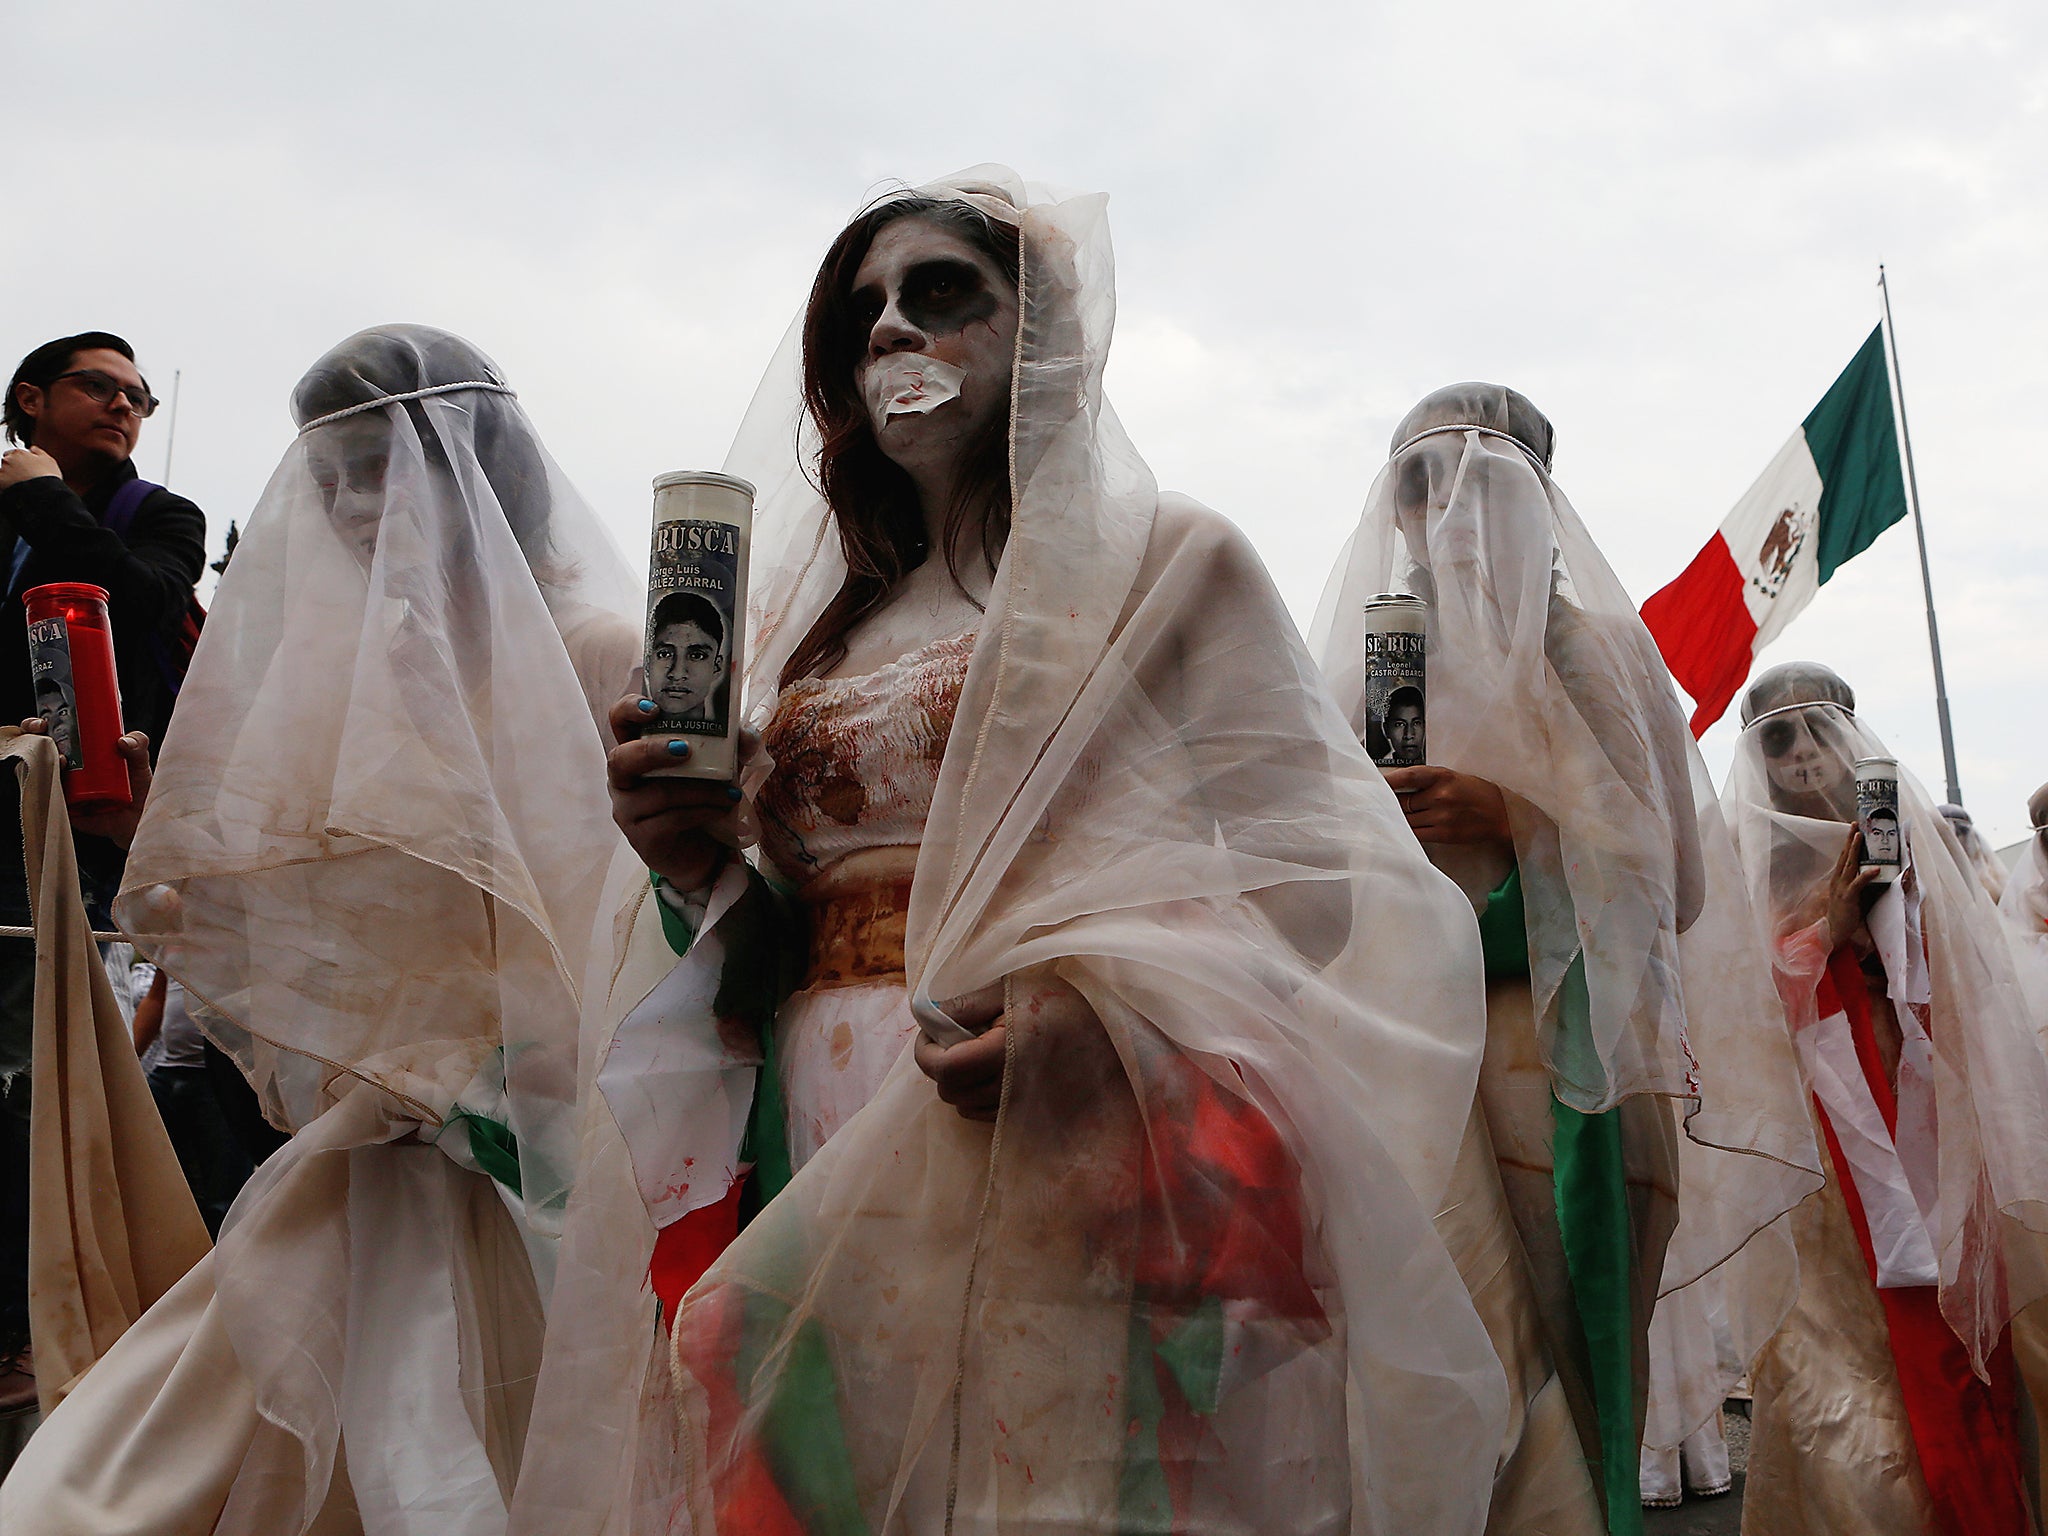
1889	1401
1978	859
1624	968
2024	906
374	851
1146	1246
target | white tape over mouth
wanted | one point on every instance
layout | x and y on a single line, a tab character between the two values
909	384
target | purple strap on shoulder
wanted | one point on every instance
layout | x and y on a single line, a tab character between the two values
121	509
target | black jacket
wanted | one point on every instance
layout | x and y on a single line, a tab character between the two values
148	575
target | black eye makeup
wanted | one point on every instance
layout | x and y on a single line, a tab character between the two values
939	297
865	307
945	296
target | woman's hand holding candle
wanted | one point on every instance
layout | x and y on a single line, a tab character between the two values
682	829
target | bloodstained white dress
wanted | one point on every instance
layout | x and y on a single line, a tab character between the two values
842	814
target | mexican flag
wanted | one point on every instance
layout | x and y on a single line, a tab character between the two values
1830	491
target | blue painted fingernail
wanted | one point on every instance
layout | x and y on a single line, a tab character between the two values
732	793
679	749
645	706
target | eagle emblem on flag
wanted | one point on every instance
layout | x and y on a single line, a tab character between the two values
1780	548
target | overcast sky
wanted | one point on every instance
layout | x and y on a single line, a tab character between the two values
1661	223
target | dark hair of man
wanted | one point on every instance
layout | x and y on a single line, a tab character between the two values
1406	696
690	608
874	502
40	368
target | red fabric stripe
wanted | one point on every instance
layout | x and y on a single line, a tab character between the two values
686	1248
747	1499
1966	1431
1845	980
1222	1212
1703	627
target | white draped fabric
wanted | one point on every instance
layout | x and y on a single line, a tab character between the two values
1543	680
1148	795
1971	1058
373	851
2024	907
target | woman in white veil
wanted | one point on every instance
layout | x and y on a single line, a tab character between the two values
1890	1398
2023	903
373	854
1148	1247
1978	858
1625	971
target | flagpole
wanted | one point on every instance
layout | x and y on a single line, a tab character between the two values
1948	740
171	432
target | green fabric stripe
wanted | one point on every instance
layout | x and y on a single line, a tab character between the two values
801	1430
1592	1215
765	1145
494	1147
1144	1506
1855	446
1504	930
1194	1353
766	940
674	926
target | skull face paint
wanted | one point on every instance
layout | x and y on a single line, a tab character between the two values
349	460
1798	762
924	277
923	291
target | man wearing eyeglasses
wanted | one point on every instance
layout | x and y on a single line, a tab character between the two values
73	509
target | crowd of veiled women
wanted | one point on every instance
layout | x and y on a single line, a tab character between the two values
1063	1084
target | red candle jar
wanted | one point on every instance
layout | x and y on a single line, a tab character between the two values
78	694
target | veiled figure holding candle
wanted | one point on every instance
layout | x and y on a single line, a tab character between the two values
1147	1245
1627	991
1890	1399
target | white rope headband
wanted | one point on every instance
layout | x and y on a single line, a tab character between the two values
412	394
1472	426
1786	709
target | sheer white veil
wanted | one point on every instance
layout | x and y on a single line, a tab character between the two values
377	831
1147	792
1790	797
1977	855
2024	906
373	854
1542	679
1545	682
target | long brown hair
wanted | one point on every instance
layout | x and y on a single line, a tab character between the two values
873	501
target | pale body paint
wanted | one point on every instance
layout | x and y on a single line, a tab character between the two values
938	299
349	460
1803	768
